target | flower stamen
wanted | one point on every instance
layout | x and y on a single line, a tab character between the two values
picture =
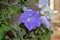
28	19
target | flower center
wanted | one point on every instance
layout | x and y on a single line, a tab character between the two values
28	19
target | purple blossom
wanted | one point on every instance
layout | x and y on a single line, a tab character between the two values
30	19
45	22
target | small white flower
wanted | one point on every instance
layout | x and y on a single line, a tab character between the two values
46	11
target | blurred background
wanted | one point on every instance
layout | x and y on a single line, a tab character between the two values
55	23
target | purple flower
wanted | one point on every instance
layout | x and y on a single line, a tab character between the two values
30	19
45	22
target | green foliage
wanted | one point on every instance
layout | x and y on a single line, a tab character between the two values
9	9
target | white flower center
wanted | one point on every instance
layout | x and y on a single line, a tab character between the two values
28	19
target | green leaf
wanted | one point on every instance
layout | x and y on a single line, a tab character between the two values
1	33
35	1
22	32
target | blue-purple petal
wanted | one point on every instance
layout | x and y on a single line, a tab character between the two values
23	18
38	23
30	25
45	22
